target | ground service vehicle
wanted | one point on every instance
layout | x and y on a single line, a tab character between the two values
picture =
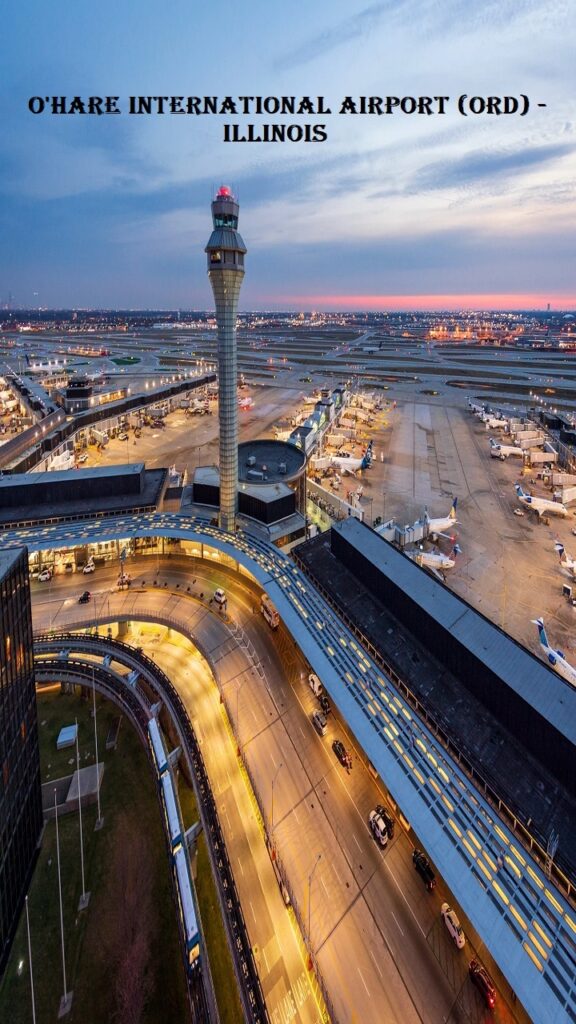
453	925
220	596
422	865
269	612
483	982
85	597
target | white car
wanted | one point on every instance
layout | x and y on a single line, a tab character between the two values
89	567
518	512
378	827
453	925
220	596
82	458
45	576
315	685
122	437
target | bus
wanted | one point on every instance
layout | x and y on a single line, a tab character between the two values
269	612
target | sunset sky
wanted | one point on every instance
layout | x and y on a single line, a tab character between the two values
399	211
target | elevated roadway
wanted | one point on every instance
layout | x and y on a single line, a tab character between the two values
528	926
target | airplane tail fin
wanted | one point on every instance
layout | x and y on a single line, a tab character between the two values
560	549
519	491
456	550
453	509
539	623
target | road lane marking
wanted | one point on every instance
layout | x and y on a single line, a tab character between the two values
253	914
397	924
356	841
376	965
364	983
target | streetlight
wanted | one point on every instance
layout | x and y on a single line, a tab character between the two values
281	765
239	746
310	877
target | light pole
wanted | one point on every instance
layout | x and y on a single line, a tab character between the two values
239	744
85	897
281	765
30	964
99	819
310	877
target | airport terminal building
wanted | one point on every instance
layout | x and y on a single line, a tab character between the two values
20	791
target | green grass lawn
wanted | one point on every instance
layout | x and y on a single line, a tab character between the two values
126	360
127	856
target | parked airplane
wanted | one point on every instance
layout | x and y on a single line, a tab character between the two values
478	410
502	451
348	464
566	561
246	403
436	561
495	422
542	506
556	658
436	526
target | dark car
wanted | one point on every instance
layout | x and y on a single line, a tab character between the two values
422	865
389	820
325	703
483	983
85	597
342	754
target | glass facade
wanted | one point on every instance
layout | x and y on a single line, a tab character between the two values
20	789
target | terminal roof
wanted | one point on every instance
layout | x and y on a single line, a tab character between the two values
547	692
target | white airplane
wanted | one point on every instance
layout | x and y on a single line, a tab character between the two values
348	464
246	403
566	560
436	526
436	561
542	506
502	451
478	410
556	658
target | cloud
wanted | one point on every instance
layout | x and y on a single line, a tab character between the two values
350	28
483	166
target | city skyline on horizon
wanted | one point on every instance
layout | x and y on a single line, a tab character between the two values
396	212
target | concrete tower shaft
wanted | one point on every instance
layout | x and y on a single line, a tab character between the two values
225	251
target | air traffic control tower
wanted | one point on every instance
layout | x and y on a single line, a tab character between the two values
225	251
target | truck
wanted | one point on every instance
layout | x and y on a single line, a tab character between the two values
100	436
269	612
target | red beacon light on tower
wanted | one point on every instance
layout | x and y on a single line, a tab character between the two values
224	192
